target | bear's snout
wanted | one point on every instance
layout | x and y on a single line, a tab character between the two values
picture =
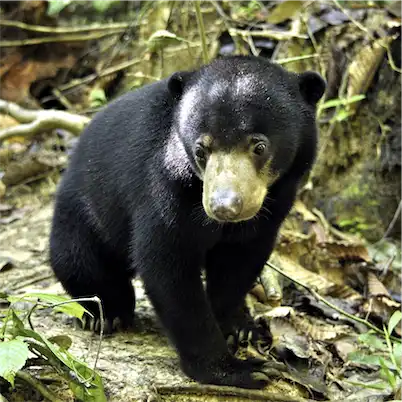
226	205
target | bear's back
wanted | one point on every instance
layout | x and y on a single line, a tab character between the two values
107	170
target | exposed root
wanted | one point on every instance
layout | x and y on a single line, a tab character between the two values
36	121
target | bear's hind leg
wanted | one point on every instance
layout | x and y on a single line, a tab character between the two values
85	267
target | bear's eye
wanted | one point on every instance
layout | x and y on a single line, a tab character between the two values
260	148
200	153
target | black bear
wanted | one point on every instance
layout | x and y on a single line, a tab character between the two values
196	171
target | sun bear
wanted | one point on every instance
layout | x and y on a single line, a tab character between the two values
192	173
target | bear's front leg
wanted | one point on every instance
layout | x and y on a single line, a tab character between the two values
171	275
231	269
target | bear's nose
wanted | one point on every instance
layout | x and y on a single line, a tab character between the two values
226	205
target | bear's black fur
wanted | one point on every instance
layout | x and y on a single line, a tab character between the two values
130	203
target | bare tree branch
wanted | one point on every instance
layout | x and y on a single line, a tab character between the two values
65	30
36	121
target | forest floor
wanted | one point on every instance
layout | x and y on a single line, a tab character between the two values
141	365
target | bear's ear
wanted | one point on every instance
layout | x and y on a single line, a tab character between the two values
177	82
312	86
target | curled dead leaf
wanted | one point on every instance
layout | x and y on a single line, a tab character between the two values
375	286
286	338
363	68
272	287
259	293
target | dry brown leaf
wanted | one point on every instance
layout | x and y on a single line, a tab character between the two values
301	208
375	286
277	312
394	7
380	307
15	82
347	251
319	330
285	337
320	232
271	286
313	280
363	68
259	293
345	346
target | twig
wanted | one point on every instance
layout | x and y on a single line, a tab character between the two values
296	58
201	30
92	77
393	221
65	30
318	297
315	45
226	18
55	39
36	121
33	382
385	267
225	392
267	34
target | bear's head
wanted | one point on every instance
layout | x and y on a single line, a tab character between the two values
243	123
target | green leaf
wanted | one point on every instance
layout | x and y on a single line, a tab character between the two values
387	374
284	11
93	392
72	308
341	101
397	351
372	340
87	385
18	324
394	321
102	5
381	385
55	6
13	355
63	341
342	115
97	97
371	360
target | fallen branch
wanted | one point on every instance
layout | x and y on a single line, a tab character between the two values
36	121
61	38
65	30
226	392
